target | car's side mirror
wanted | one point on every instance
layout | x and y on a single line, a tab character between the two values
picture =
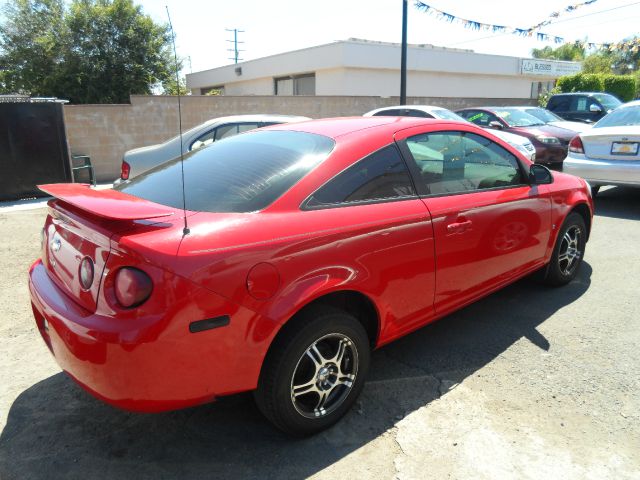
594	108
540	175
495	124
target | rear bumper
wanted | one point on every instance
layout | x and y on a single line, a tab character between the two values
148	364
604	172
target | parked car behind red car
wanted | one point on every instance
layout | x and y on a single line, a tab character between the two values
307	245
552	143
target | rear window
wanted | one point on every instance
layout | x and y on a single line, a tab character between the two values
627	116
245	173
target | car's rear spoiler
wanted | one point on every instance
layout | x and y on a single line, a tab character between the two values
107	203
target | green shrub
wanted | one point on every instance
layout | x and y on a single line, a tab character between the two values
592	82
622	86
581	82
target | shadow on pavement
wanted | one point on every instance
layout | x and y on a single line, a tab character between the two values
55	430
619	202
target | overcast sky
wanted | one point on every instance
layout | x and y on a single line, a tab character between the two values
284	25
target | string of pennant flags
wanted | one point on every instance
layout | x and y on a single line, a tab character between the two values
533	32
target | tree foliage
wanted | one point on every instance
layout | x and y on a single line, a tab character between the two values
598	63
91	51
170	87
569	52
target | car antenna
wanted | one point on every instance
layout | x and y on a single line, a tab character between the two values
185	230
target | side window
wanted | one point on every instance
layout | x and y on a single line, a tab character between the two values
226	131
222	132
245	127
389	113
579	104
416	113
203	140
559	104
454	162
382	175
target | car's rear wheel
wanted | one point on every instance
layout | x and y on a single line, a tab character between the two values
314	372
568	251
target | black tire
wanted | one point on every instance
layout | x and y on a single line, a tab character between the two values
568	251
290	361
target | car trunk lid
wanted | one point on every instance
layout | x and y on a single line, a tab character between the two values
612	143
80	224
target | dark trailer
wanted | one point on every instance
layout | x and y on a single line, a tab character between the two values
33	146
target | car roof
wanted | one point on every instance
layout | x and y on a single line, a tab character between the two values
341	126
422	108
258	117
580	93
634	103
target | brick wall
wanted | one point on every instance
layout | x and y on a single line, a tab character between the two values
105	132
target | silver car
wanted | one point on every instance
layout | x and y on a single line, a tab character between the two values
550	118
608	153
139	160
520	143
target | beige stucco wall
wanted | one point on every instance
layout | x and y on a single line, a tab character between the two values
369	82
105	132
259	86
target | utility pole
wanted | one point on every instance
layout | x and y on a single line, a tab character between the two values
236	51
403	56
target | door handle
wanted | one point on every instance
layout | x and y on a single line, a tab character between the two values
459	227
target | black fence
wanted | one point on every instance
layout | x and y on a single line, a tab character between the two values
33	146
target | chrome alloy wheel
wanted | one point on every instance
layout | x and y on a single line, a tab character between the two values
570	254
324	375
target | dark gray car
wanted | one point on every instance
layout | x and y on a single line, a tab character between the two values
586	107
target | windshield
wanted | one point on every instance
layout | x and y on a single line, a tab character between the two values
517	118
620	117
445	114
545	115
244	173
608	101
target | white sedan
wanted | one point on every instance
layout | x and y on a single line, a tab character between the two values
608	153
520	143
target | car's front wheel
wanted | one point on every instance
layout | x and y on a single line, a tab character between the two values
568	251
314	372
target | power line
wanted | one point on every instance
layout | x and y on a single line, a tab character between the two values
553	23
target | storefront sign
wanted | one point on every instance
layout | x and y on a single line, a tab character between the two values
548	68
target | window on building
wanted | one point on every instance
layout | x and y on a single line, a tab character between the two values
218	90
296	85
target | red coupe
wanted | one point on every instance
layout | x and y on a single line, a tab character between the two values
302	248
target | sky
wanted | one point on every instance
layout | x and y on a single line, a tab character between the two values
284	25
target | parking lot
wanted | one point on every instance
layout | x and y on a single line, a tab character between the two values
530	382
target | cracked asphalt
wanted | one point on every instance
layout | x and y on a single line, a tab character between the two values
530	382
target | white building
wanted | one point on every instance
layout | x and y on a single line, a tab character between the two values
368	68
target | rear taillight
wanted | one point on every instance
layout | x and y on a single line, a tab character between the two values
86	273
125	169
132	286
575	145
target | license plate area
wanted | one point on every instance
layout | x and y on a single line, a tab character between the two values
624	148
